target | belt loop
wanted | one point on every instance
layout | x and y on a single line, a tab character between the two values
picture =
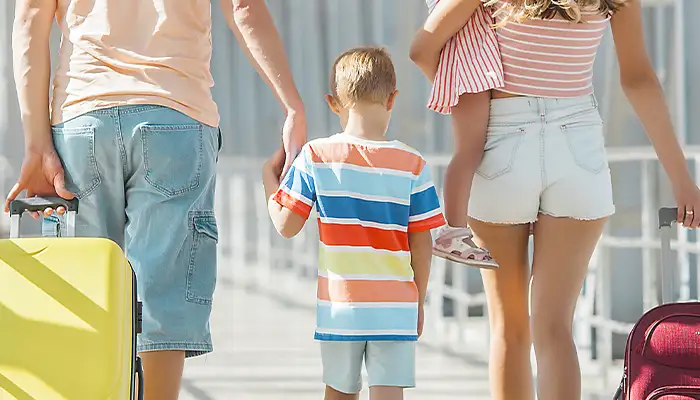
594	101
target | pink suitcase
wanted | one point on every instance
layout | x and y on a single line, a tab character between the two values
662	357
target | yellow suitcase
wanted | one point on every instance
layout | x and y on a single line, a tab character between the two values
69	315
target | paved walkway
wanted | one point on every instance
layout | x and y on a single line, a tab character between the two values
265	351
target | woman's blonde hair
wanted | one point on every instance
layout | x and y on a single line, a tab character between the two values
571	10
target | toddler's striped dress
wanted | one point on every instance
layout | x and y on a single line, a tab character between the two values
470	62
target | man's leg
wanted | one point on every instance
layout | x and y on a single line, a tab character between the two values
171	238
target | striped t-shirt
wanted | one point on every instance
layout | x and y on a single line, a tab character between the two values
369	195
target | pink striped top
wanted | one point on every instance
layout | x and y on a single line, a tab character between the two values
541	58
550	58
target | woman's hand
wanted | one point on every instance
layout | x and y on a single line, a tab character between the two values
688	201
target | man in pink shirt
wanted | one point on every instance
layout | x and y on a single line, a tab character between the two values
132	131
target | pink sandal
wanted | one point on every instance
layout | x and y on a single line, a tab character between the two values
456	244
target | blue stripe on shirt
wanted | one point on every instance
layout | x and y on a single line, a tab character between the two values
365	210
425	201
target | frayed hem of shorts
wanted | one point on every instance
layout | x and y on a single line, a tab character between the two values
577	218
190	349
513	223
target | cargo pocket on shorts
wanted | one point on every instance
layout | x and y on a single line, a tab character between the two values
201	273
499	152
587	145
172	157
76	149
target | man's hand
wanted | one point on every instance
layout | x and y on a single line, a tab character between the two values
293	137
41	175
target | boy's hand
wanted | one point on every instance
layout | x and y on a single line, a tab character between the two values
274	165
421	320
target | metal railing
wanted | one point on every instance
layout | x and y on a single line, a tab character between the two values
456	309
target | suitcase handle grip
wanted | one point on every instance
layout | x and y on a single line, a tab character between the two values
20	206
667	216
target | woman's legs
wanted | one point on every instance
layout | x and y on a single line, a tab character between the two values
563	249
507	295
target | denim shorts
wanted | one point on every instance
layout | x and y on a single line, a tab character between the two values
388	363
543	156
145	177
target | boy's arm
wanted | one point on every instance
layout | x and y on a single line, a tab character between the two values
448	17
421	246
287	211
424	215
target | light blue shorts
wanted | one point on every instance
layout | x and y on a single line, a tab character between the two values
145	177
388	364
547	153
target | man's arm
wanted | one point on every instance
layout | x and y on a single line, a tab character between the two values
42	172
252	24
32	68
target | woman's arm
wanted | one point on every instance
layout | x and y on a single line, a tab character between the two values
448	17
642	88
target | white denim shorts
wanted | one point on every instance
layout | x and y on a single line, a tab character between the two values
543	155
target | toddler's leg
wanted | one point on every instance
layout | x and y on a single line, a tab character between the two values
470	121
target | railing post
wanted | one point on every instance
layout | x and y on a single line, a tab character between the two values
436	293
264	258
238	224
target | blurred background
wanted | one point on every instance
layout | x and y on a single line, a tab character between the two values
265	280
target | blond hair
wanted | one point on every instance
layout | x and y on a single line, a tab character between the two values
571	10
363	74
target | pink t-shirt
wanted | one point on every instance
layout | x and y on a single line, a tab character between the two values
124	52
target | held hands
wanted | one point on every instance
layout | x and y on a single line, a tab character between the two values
273	168
41	175
688	201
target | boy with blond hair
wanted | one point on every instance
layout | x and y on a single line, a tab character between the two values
376	205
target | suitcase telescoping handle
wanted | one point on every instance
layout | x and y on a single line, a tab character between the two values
20	206
665	291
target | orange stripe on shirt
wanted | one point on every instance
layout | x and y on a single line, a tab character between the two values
358	235
296	206
376	157
433	222
358	291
